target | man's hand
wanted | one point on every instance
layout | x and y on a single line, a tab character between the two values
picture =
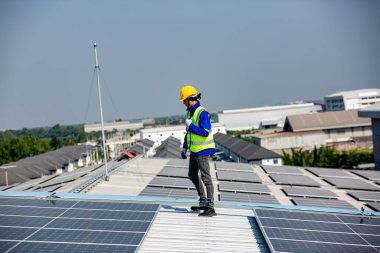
188	122
183	153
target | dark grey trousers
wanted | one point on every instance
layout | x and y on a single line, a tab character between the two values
200	163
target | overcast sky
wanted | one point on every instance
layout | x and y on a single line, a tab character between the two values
238	53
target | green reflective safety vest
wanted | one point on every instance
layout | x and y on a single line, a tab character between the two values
197	143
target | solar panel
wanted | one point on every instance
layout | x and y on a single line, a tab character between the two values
243	187
174	172
291	170
233	166
368	174
178	163
355	184
325	172
169	192
374	205
240	176
330	203
298	231
309	192
294	180
172	182
35	225
365	196
248	197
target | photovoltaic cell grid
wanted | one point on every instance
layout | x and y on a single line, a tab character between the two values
36	225
354	184
286	170
178	163
233	166
248	197
294	180
169	192
174	172
374	205
324	172
243	187
365	196
291	231
240	176
329	203
368	174
309	192
172	182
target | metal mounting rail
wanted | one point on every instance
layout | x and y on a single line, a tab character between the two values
91	182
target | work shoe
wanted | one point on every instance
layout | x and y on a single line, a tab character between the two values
208	213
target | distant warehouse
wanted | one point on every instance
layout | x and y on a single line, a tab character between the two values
352	100
263	117
110	126
342	129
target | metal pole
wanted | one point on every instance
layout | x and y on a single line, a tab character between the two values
101	112
6	177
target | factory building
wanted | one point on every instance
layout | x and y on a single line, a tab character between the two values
352	100
263	117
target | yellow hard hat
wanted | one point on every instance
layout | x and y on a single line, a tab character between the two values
187	91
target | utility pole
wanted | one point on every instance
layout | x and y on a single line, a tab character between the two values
101	112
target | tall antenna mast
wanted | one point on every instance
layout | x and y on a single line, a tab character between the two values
101	112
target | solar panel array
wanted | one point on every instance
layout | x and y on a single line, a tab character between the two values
35	225
240	176
324	172
294	180
178	163
374	205
243	187
174	172
248	197
282	170
233	166
365	196
352	183
309	192
172	182
169	192
329	203
296	231
368	174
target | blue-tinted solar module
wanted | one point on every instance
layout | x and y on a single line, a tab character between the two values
22	221
12	233
37	202
306	232
106	214
281	245
33	247
6	245
112	225
31	211
329	203
116	206
84	236
28	225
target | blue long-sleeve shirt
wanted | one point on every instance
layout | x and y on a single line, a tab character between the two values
203	129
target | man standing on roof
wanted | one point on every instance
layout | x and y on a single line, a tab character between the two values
199	140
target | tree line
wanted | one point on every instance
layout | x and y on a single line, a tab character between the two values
18	144
327	157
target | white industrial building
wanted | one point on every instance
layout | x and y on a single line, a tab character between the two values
159	134
110	126
342	129
263	117
352	100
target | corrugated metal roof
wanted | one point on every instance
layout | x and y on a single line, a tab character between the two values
325	120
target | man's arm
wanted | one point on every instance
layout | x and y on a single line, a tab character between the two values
204	128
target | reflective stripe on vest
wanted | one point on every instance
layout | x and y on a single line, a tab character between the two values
197	143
